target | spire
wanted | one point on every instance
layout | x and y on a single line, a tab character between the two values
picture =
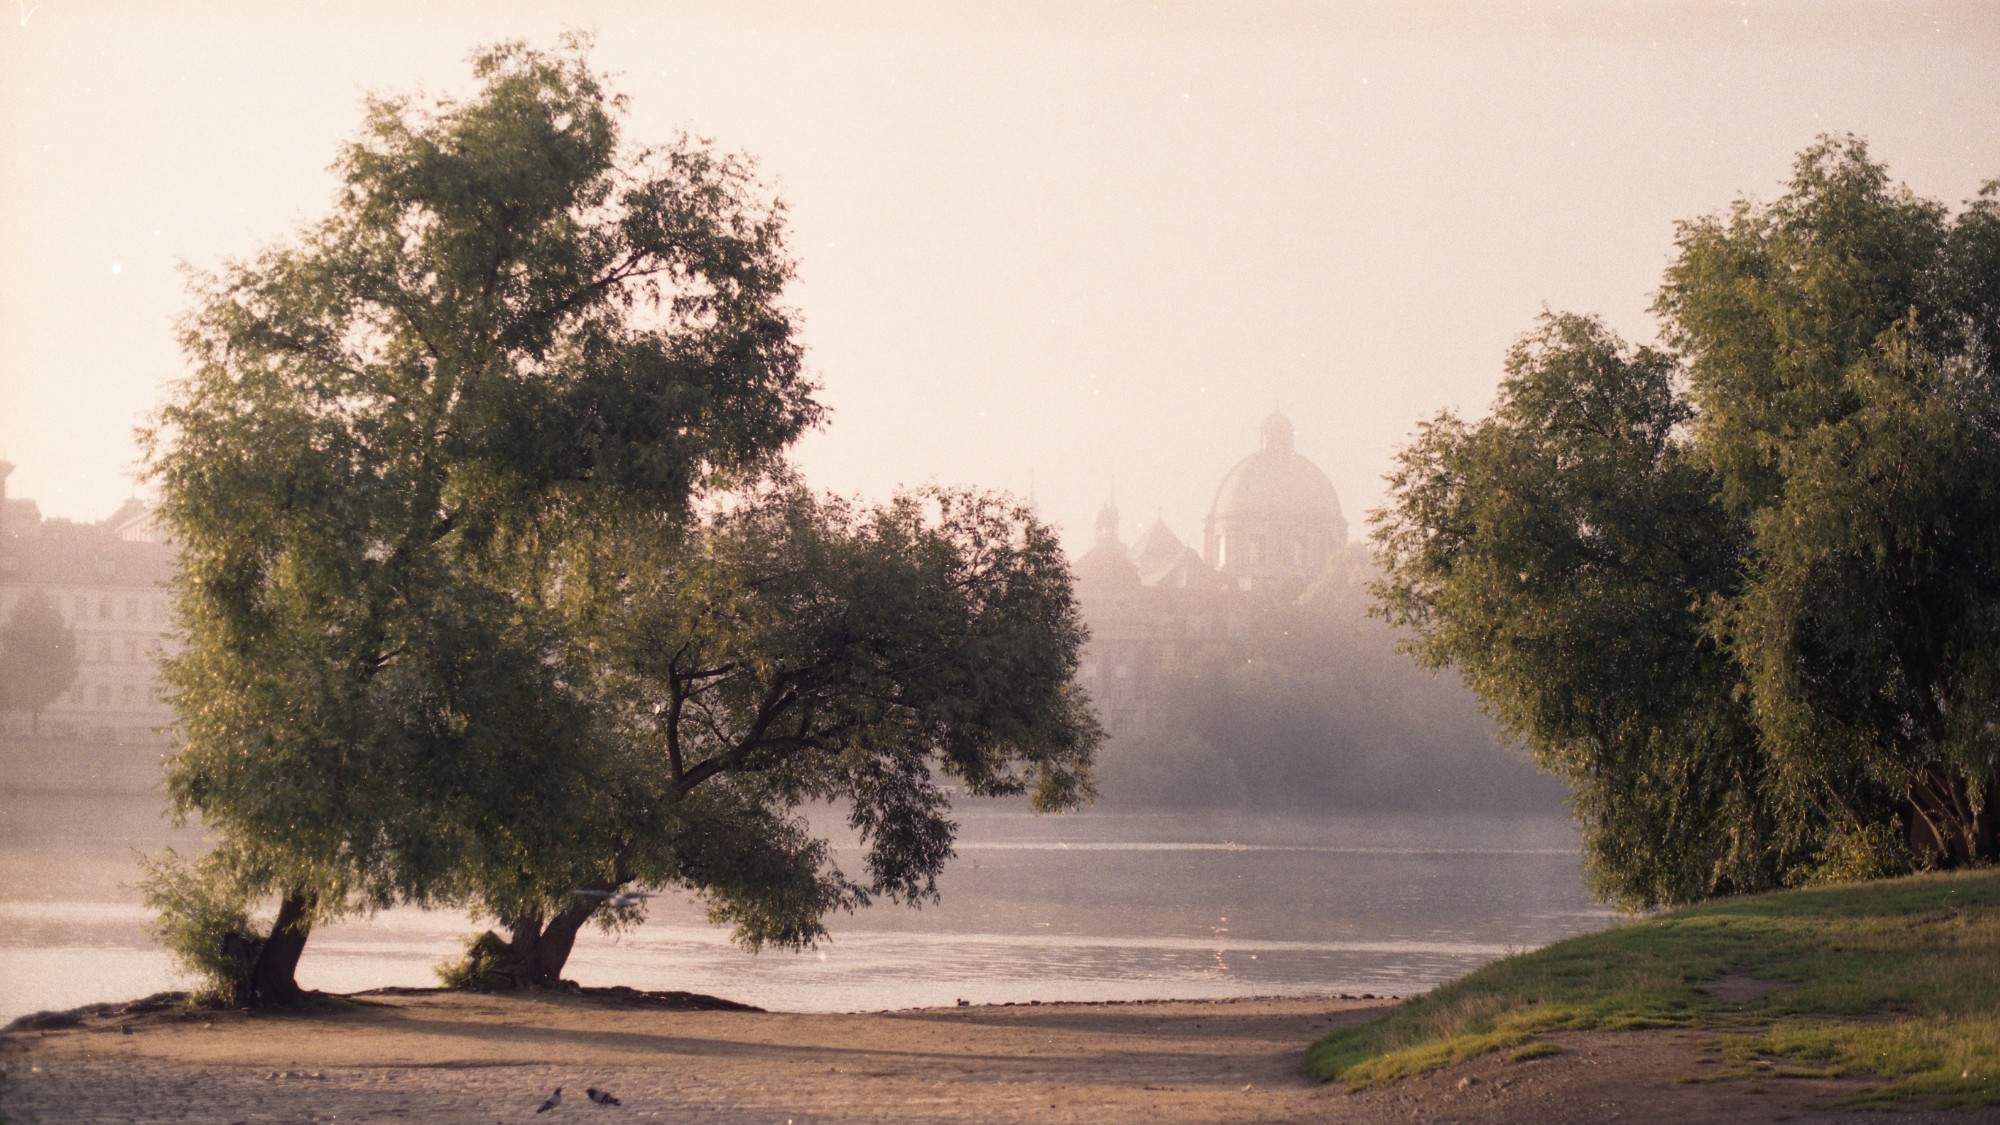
1107	518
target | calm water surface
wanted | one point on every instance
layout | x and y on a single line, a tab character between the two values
1090	906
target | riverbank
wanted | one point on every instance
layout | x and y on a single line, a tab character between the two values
447	1057
1896	980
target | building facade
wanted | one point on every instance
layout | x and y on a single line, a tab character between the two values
1274	526
109	579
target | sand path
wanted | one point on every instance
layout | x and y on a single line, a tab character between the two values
456	1058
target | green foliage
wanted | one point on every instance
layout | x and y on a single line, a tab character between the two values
1897	979
1741	595
1563	555
39	658
1850	853
202	918
1839	349
794	648
493	583
510	325
487	965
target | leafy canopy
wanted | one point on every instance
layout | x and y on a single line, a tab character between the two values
1840	348
510	324
1742	593
1563	554
797	649
494	585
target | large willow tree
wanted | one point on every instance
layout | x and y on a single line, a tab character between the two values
1743	594
494	589
510	322
495	592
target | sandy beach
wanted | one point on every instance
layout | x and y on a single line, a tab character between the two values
427	1056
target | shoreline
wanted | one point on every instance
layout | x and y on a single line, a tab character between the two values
468	1057
179	1002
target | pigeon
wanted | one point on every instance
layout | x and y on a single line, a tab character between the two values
555	1100
601	1097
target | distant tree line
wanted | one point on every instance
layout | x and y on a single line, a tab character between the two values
1742	591
1314	710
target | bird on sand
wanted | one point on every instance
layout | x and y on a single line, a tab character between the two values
601	1097
553	1101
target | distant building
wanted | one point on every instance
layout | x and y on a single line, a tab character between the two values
1275	525
1276	521
109	580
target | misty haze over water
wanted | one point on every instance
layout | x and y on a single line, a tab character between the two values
1100	905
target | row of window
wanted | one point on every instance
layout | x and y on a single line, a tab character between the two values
1251	548
107	650
125	696
79	608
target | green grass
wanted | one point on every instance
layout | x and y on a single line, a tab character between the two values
1898	979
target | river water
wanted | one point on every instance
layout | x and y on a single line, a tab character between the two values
1092	906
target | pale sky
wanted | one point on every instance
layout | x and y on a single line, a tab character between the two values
1060	243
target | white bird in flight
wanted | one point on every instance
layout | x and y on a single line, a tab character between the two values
619	899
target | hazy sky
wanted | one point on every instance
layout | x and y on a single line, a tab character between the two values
1064	242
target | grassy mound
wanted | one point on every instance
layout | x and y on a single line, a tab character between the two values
1898	979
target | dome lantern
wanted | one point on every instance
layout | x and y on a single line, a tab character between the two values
1277	433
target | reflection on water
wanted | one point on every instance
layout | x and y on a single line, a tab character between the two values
1095	906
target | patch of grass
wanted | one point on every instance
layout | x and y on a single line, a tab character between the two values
1533	1051
1899	979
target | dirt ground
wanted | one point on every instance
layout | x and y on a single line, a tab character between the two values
459	1058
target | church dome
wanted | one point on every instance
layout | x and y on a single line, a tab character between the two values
1276	481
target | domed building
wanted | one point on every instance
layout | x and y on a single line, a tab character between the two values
1275	526
1276	520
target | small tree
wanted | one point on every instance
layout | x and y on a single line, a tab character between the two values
38	657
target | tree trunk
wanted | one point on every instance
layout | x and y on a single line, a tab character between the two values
533	954
274	976
1939	820
1986	824
545	964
